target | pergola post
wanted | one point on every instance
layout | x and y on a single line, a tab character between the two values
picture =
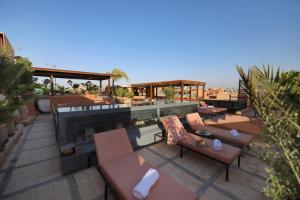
151	92
190	92
156	91
100	87
197	95
108	86
182	87
203	92
52	85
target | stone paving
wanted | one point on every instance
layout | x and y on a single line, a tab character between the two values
32	171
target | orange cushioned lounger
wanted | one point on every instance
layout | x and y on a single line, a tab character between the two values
176	134
196	123
122	169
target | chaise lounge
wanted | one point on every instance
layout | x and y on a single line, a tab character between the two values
196	124
122	169
210	110
176	134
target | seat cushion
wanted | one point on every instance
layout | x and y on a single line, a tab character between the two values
225	135
125	172
227	155
243	124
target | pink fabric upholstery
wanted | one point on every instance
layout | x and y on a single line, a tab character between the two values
175	130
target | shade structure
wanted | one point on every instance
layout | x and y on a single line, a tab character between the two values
152	87
71	74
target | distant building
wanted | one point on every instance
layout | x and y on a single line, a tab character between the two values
6	48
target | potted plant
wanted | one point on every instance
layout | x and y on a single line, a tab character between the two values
170	93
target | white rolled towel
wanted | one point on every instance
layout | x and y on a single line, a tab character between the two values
234	133
142	189
217	145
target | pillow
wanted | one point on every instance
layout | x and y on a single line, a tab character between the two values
174	128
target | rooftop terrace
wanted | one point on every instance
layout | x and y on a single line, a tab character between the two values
32	171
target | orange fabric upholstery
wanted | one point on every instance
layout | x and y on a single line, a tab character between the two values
111	145
243	124
124	173
195	121
203	104
227	155
211	111
175	130
244	139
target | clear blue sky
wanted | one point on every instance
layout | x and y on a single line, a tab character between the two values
156	40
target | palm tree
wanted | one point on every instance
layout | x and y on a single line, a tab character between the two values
70	82
118	74
46	82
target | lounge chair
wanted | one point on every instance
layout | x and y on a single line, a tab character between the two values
196	123
249	125
176	134
210	110
122	169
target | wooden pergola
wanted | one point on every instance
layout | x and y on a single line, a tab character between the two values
60	73
152	87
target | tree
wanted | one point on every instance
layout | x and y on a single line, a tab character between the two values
70	83
274	95
16	84
46	82
118	74
170	93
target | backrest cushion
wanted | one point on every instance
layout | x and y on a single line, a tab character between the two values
195	121
111	145
174	129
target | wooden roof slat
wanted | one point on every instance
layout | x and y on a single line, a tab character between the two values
61	73
168	83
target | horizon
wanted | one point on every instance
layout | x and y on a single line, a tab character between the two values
156	41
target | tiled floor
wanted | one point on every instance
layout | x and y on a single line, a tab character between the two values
32	171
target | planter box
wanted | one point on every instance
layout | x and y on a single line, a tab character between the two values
11	128
23	112
3	134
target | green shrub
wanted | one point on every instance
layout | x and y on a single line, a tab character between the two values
170	93
275	98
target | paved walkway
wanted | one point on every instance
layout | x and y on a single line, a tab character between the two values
32	171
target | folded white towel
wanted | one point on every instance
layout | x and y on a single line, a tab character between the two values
141	190
217	145
210	106
234	133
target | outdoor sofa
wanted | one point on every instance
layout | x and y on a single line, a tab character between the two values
210	110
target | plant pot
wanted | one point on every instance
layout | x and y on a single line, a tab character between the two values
43	105
31	108
126	100
10	128
3	134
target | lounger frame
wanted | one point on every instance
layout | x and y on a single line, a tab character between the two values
93	162
207	156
